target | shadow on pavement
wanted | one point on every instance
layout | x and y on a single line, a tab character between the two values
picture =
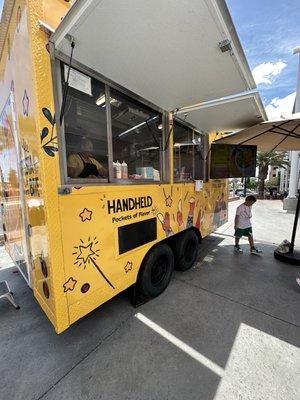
223	306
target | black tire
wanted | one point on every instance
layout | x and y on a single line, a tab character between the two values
186	250
156	271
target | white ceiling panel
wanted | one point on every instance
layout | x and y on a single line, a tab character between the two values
226	117
165	51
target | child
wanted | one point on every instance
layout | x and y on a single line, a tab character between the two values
242	225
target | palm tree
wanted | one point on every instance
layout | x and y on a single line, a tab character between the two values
264	160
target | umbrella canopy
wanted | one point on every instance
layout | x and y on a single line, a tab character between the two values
283	135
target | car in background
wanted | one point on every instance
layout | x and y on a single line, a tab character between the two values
240	193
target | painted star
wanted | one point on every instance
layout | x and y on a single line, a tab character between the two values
154	211
69	285
169	201
25	103
85	252
128	267
86	215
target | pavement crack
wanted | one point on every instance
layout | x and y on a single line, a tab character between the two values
107	337
236	302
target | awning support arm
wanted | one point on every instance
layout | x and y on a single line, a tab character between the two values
216	102
66	89
154	138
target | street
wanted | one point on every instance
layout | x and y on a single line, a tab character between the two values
227	329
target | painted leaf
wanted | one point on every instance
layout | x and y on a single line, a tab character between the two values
53	148
48	115
50	150
44	133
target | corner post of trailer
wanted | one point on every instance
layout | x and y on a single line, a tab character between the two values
57	94
169	145
109	134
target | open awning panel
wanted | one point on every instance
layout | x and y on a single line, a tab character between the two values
227	117
164	51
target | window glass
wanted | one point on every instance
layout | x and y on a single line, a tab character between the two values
188	153
136	139
85	127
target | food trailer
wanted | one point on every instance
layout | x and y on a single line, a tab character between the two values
108	109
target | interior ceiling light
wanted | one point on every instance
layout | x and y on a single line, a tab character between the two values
225	45
160	127
185	144
115	102
196	140
100	100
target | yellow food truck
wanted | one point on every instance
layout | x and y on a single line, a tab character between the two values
107	109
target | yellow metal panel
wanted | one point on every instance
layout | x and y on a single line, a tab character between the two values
54	11
50	177
94	269
16	77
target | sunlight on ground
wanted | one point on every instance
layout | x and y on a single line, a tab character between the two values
5	260
181	345
259	366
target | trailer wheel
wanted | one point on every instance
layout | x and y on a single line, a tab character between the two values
156	271
186	250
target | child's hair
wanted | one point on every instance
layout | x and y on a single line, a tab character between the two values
251	198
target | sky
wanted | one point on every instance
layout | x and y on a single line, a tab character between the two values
269	31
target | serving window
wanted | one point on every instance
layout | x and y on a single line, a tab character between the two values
85	127
189	155
136	139
103	126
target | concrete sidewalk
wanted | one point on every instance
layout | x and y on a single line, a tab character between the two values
226	329
271	224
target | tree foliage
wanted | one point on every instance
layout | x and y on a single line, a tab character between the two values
264	161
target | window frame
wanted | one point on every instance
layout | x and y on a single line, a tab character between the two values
205	151
57	59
